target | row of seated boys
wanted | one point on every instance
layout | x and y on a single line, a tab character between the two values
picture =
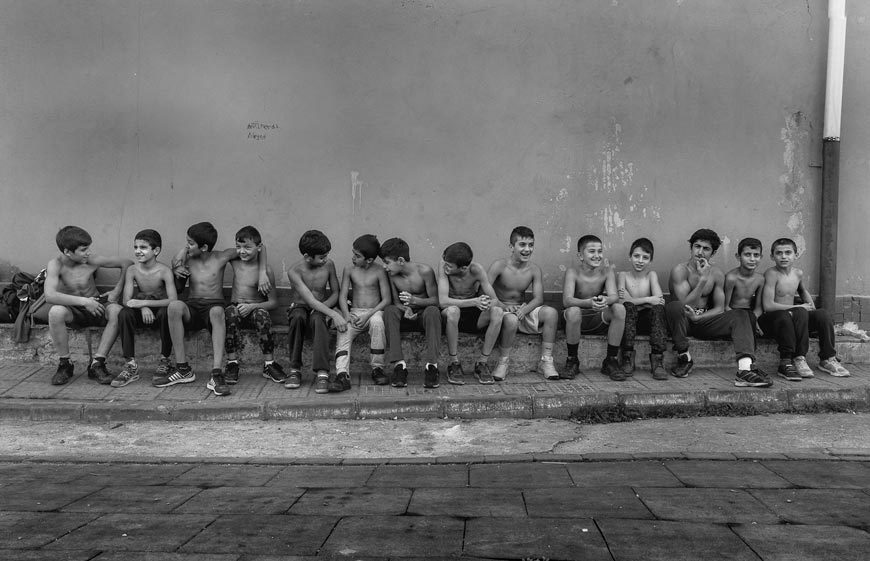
406	295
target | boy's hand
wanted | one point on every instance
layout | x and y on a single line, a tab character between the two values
599	303
359	321
112	296
657	300
181	271
691	313
482	302
339	322
520	312
704	267
147	315
93	306
405	297
409	313
621	293
245	309
265	286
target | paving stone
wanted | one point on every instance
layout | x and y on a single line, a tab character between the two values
322	476
46	555
227	475
263	534
524	475
632	474
818	506
26	530
350	502
133	499
527	538
132	474
414	476
673	541
467	502
805	543
712	473
135	532
706	505
242	500
164	556
43	473
34	496
604	502
823	474
396	537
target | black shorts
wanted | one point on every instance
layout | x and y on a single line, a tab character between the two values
468	318
200	309
83	318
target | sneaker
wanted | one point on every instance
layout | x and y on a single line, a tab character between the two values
232	373
833	367
430	377
627	364
334	383
761	373
217	383
177	377
455	374
274	372
321	383
294	380
482	373
128	375
98	371
400	376
751	379
610	367
683	366
344	379
787	370
63	374
572	368
501	369
800	364
547	368
163	367
378	376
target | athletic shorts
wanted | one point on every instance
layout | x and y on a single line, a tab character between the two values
468	318
200	308
83	318
591	322
530	324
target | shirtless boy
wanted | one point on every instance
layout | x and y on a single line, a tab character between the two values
743	283
71	293
698	309
790	324
149	287
414	308
370	289
511	278
591	305
315	286
250	307
468	304
641	294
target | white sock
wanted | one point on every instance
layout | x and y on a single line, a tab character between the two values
744	363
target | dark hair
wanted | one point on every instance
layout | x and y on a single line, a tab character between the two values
394	248
203	234
643	243
314	242
750	243
249	233
368	245
783	241
72	238
152	237
706	235
521	232
586	240
459	254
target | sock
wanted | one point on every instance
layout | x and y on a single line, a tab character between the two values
268	362
547	349
687	355
454	359
401	362
428	364
483	358
98	359
64	360
744	363
572	349
182	366
612	351
235	360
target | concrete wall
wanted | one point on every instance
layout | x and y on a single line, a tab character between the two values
434	121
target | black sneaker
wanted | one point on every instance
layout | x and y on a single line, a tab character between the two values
430	377
63	374
217	383
682	368
572	368
334	384
98	371
455	374
788	371
400	377
751	379
274	372
483	373
378	376
610	367
321	384
294	380
232	373
178	376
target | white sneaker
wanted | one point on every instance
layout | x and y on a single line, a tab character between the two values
501	369
547	368
833	367
800	364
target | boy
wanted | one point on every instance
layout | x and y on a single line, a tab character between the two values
371	294
468	304
315	285
415	307
592	306
790	324
71	290
743	283
697	287
641	294
149	287
249	307
511	278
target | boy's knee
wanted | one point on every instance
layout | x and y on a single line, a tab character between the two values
113	310
216	313
617	310
509	322
175	309
573	314
451	314
58	315
547	315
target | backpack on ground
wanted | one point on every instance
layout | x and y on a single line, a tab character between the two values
32	307
9	302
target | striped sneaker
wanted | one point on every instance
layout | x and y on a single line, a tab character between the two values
128	375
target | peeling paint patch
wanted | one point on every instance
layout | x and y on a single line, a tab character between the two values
356	189
796	137
567	248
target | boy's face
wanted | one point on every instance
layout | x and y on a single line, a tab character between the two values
393	266
522	249
783	255
248	250
639	259
80	255
316	261
592	254
143	252
702	249
749	257
453	268
193	250
360	260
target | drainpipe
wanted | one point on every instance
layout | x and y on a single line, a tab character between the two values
831	153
